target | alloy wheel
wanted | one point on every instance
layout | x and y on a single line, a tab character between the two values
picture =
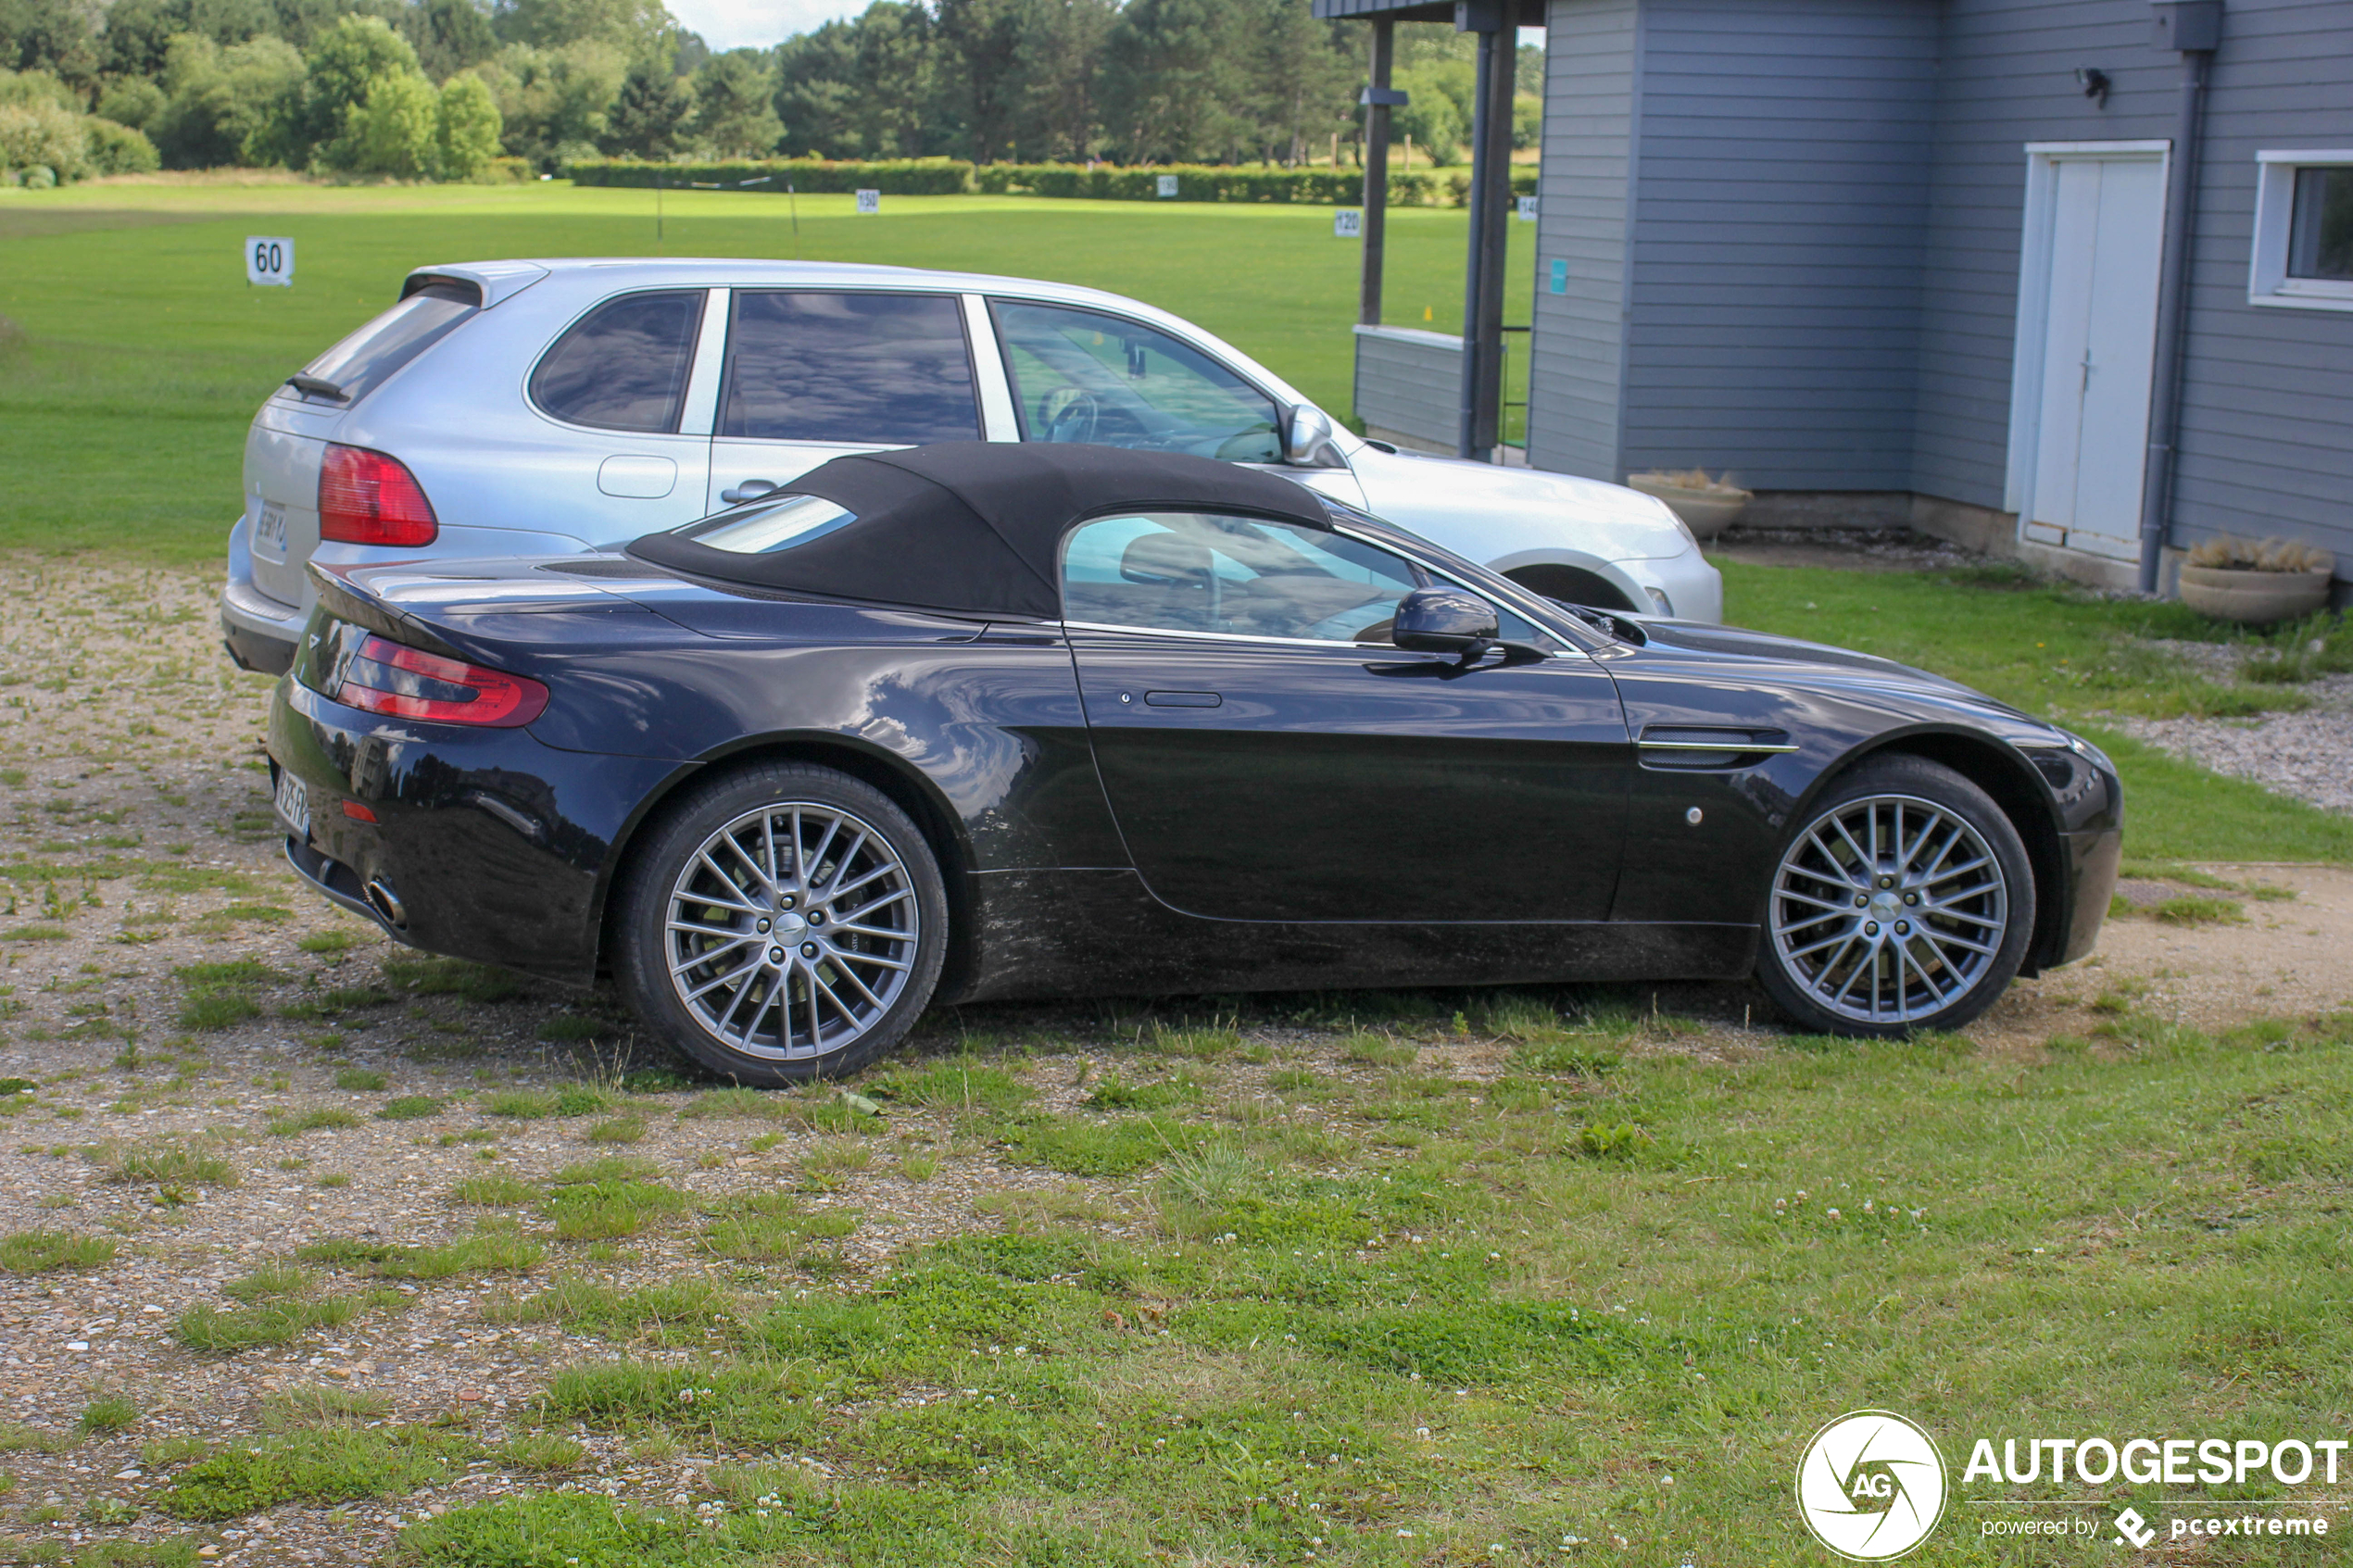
1888	910
792	930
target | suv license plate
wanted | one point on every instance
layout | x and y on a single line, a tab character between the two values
294	803
270	532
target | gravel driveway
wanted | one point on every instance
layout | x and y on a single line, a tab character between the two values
256	1165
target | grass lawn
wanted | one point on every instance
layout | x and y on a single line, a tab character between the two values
1510	1287
143	353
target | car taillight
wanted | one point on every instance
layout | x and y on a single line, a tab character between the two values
367	498
405	683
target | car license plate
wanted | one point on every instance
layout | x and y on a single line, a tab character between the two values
294	803
270	531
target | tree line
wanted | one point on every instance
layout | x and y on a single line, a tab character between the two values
443	89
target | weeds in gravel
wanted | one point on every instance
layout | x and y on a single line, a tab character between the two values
36	1252
540	1453
772	1225
168	1165
453	977
18	1439
327	942
321	1465
1090	1147
604	1200
323	1119
408	1108
490	1251
267	1283
362	1080
221	995
107	1415
686	1312
208	1328
317	1404
955	1085
2189	909
498	1191
620	1129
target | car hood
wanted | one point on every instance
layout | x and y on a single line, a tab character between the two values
1505	517
1794	661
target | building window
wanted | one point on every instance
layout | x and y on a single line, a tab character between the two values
2304	230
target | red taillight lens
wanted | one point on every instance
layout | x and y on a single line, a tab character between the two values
367	498
386	677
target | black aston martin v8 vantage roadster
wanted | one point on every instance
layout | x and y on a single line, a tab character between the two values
989	721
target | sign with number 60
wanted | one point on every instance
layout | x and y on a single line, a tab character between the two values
269	260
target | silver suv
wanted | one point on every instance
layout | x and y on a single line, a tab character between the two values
531	407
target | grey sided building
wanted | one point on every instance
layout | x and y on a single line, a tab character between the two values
1909	260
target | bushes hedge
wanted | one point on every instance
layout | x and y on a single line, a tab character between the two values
900	177
937	177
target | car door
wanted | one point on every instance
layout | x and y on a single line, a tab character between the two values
619	382
1268	755
814	373
1093	377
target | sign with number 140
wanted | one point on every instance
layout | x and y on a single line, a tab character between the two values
269	260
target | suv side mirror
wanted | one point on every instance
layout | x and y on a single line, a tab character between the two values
1442	620
1307	436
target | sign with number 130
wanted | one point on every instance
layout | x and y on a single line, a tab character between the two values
269	260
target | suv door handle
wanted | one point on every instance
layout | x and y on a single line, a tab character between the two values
750	490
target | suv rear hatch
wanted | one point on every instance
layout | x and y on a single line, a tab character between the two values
290	434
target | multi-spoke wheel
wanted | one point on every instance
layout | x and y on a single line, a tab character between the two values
785	921
1903	902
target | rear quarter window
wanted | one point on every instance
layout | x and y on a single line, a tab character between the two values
368	358
624	366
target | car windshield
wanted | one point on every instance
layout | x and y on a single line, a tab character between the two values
769	526
361	362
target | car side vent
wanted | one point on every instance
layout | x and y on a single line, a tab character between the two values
1708	748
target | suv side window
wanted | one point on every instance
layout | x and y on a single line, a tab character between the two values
1102	380
866	368
624	366
1194	572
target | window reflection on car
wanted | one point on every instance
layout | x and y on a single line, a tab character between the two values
1187	572
1087	377
766	527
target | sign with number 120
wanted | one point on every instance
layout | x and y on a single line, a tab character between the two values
269	260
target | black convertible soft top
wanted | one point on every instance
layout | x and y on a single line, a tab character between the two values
975	526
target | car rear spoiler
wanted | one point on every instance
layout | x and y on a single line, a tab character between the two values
345	600
490	281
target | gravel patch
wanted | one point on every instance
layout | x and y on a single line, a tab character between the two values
2308	755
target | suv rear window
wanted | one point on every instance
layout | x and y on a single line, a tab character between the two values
366	358
869	369
624	365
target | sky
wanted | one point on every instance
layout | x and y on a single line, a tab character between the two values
730	24
733	24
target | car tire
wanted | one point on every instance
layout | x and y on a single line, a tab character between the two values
771	966
1902	902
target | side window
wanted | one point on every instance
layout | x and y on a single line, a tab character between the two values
880	368
623	366
1098	380
1192	572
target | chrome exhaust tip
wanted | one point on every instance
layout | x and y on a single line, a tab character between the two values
386	902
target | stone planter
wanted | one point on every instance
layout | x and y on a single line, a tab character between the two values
1706	512
2255	598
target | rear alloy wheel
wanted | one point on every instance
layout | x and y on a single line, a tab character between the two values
786	922
1905	903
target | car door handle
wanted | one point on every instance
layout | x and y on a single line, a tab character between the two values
1184	699
750	490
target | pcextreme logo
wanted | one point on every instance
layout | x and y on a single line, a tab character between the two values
1870	1486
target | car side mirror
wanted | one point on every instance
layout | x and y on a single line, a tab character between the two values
1442	620
1307	439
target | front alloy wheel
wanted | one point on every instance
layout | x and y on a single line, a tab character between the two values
796	926
1903	904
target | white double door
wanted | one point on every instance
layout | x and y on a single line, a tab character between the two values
2088	378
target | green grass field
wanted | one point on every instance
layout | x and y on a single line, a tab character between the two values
144	352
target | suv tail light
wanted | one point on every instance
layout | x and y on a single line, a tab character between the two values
367	498
405	683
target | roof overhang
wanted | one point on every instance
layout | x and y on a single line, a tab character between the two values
1384	11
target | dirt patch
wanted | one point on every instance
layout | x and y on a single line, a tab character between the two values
1841	550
